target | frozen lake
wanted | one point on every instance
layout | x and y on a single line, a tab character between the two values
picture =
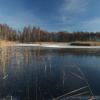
42	73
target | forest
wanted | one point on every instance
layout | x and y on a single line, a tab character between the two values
35	34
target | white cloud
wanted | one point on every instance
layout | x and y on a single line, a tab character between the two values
71	9
75	6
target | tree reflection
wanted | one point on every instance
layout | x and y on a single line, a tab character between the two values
28	73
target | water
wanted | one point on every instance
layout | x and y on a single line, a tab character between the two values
34	73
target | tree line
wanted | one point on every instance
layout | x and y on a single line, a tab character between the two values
34	34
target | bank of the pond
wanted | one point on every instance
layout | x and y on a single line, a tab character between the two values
77	44
85	43
4	43
56	46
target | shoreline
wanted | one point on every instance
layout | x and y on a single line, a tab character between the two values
59	45
47	44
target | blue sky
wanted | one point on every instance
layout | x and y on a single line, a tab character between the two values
52	15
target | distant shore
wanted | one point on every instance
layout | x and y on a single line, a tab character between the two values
76	44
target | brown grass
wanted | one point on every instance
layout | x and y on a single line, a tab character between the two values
92	43
4	43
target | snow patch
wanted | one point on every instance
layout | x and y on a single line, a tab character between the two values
55	46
